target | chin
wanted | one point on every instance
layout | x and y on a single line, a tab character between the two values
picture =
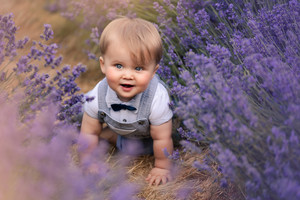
125	98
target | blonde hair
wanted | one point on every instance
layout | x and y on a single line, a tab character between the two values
141	37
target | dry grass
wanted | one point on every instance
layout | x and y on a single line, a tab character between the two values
188	183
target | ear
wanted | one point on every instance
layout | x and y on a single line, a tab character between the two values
155	69
101	61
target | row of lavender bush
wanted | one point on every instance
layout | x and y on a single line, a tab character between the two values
233	70
39	137
235	80
27	72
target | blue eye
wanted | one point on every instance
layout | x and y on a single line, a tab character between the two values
138	68
119	66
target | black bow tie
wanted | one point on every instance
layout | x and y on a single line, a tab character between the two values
118	107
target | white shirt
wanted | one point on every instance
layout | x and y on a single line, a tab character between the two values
160	111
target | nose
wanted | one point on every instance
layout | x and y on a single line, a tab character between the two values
127	74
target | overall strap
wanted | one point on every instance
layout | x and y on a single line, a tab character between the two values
102	90
147	98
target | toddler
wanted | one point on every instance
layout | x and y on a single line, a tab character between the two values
131	100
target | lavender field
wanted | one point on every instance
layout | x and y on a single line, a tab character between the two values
233	70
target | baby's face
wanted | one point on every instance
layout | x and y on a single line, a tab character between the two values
122	74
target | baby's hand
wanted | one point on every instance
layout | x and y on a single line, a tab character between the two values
158	175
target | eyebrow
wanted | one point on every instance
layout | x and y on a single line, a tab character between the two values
117	61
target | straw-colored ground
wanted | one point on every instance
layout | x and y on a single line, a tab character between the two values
30	16
189	183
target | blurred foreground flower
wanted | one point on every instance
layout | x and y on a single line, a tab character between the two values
37	161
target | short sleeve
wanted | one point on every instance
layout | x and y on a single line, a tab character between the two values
91	108
160	109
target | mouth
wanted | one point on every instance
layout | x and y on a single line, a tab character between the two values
126	85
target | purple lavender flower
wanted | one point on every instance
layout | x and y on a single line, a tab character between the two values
37	159
237	88
41	89
8	43
125	191
48	33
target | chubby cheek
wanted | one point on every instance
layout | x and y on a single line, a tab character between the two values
112	77
144	81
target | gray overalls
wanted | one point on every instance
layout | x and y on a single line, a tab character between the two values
140	127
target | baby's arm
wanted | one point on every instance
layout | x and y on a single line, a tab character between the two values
90	129
162	139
